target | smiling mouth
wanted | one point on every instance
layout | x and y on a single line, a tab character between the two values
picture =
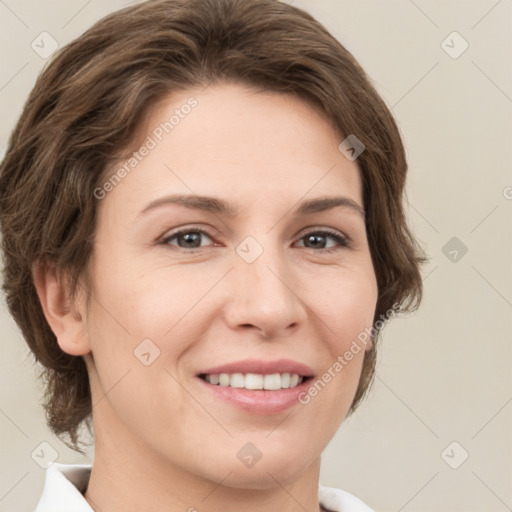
255	381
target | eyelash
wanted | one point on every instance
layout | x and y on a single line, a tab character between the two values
343	241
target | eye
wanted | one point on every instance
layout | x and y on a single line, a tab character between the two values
314	239
190	238
186	238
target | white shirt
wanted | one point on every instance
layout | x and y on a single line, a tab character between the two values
65	484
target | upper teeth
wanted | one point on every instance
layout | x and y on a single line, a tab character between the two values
271	382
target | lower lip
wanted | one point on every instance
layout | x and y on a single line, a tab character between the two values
259	401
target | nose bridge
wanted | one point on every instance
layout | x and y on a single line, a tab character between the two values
264	272
263	294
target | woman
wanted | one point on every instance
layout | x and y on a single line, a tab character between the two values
203	235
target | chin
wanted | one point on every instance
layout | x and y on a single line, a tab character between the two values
262	478
267	473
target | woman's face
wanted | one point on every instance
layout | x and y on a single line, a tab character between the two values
257	287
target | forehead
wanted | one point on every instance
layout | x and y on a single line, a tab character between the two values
231	141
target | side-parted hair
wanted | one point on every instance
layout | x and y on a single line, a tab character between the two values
93	96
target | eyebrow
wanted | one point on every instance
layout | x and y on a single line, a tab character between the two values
221	207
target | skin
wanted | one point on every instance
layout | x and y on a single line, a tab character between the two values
162	442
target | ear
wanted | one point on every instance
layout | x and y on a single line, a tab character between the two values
66	320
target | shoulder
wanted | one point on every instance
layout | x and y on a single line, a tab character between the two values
339	500
63	488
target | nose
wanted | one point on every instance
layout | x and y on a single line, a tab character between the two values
264	296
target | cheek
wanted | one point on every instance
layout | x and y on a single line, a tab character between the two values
347	304
145	315
136	338
344	304
148	301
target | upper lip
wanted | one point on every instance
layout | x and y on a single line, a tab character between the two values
261	367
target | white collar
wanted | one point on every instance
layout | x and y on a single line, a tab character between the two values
65	484
63	488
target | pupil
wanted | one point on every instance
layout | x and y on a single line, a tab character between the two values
315	238
189	237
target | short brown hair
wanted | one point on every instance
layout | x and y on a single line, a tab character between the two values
89	102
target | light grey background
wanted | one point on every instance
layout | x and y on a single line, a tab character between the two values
444	374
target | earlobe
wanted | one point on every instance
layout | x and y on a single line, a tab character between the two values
66	319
